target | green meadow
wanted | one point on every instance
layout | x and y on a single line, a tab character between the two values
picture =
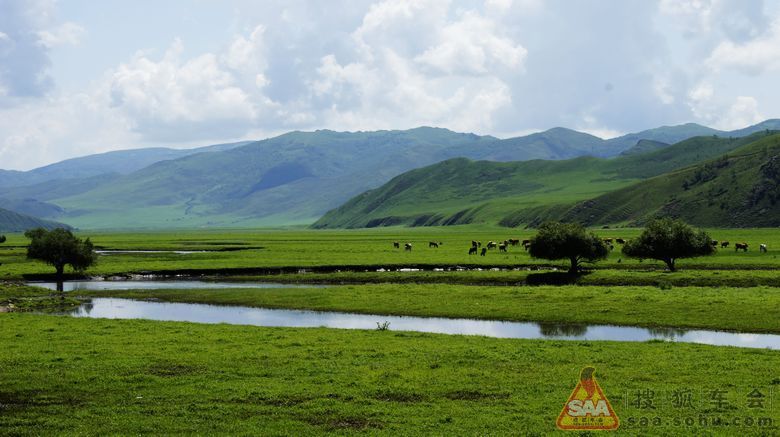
64	375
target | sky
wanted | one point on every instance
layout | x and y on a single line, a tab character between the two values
79	77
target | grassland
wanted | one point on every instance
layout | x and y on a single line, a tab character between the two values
96	376
81	376
291	250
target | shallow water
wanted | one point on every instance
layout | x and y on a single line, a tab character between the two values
160	284
116	308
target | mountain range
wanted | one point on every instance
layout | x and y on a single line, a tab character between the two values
290	179
709	181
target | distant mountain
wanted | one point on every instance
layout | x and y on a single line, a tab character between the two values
738	189
555	143
120	161
461	191
296	177
674	134
666	134
14	222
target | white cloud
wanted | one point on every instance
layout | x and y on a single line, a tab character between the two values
174	97
64	34
471	45
752	57
742	112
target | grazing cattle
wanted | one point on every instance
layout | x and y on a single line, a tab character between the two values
433	244
473	250
714	243
608	241
396	244
762	248
724	244
474	243
620	241
502	247
742	246
526	245
484	251
491	245
408	246
514	241
526	242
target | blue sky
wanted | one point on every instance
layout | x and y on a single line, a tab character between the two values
81	77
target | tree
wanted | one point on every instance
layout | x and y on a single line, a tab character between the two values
58	248
2	238
570	241
668	240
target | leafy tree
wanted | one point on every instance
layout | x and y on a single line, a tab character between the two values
2	238
58	248
570	241
668	240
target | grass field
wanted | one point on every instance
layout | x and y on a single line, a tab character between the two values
95	376
81	376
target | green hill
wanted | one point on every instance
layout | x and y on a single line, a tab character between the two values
293	178
738	189
462	191
14	222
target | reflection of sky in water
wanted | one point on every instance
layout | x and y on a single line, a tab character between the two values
159	285
115	308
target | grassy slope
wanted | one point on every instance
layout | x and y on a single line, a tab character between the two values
688	307
166	378
739	189
462	191
14	222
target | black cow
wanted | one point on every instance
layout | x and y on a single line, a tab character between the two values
473	250
484	251
408	246
502	247
396	244
762	248
724	244
491	245
740	246
433	244
620	241
714	243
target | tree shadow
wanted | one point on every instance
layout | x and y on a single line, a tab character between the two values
554	278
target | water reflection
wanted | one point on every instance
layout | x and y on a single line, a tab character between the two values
668	333
562	329
115	308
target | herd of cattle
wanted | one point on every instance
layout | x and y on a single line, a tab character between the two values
476	246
